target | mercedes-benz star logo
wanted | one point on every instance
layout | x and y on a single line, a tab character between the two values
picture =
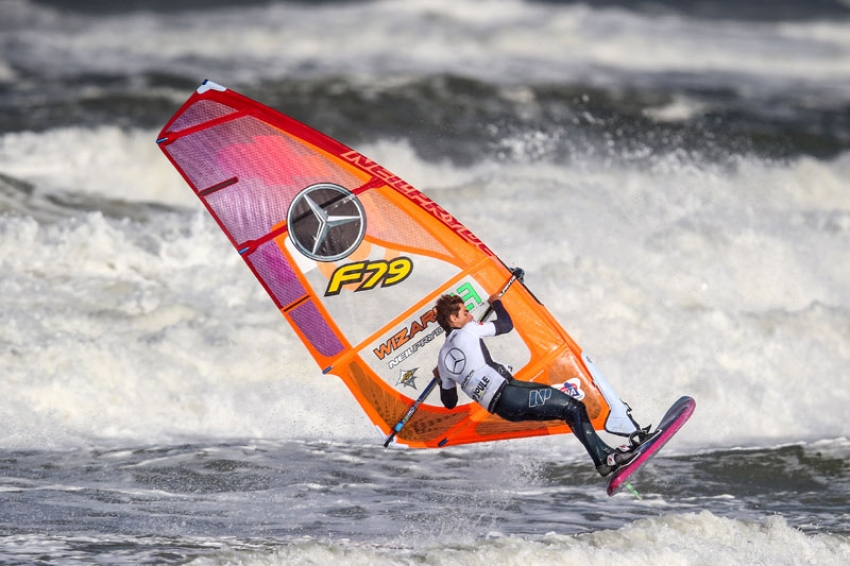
455	361
326	222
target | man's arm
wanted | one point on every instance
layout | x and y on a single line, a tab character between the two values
447	396
503	322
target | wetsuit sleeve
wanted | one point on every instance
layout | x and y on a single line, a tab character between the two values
448	397
448	387
503	322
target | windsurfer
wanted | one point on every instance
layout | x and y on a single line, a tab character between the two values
464	360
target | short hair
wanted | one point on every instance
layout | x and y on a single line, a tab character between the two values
448	305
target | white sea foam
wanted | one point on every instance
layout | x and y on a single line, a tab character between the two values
728	284
701	538
108	161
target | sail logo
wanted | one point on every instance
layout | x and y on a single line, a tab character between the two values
406	189
412	348
326	222
407	378
406	334
403	338
369	274
572	387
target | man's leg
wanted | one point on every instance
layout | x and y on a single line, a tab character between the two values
528	401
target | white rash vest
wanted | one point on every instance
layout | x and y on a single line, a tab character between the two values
462	362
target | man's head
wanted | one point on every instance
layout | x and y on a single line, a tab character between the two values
451	312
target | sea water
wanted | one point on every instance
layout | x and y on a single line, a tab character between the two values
673	178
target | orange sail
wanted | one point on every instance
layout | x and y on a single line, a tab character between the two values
355	258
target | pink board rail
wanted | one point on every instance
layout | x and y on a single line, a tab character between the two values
675	417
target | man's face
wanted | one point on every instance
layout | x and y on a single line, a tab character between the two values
461	318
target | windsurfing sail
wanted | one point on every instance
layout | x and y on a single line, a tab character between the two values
355	258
